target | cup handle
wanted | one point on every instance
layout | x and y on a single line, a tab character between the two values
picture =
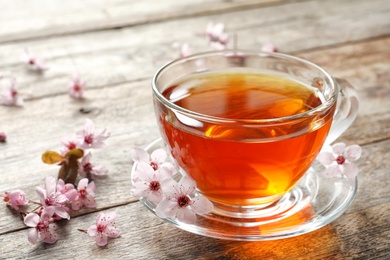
346	110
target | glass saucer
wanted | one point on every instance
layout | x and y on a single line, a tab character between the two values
313	203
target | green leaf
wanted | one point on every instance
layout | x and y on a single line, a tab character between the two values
51	157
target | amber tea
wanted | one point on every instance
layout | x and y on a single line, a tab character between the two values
253	148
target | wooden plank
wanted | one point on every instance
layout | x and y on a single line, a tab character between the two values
42	18
146	237
365	64
281	24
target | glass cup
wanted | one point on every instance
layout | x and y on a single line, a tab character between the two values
246	126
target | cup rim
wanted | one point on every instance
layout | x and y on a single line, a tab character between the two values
321	108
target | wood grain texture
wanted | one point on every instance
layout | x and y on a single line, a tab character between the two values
44	18
117	46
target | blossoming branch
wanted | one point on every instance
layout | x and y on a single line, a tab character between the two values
58	197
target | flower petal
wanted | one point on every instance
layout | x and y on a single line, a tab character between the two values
353	152
32	235
170	167
83	183
89	201
48	236
158	155
76	203
140	189
333	171
41	192
101	239
187	186
201	205
91	189
326	158
139	155
50	185
31	220
154	196
110	217
48	212
339	148
350	170
166	209
61	212
169	187
144	170
186	215
100	218
113	232
92	231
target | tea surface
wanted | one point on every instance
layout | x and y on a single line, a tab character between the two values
243	96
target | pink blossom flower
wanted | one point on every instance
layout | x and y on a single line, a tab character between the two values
9	96
87	168
180	202
185	50
67	189
33	62
92	137
51	197
338	162
156	160
77	87
148	183
216	35
70	143
85	195
3	137
15	199
269	47
42	226
104	227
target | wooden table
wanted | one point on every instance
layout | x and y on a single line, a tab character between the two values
116	46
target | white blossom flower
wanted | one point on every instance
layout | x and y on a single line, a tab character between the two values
87	168
104	228
92	137
338	162
156	160
180	202
148	183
